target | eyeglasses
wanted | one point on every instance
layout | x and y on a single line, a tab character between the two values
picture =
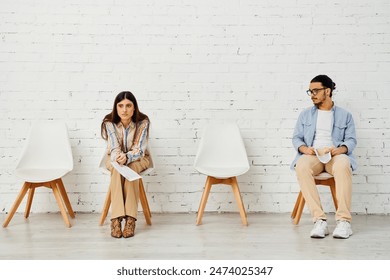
314	91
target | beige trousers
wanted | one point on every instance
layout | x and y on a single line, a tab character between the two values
339	166
125	194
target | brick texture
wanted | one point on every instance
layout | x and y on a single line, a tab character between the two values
189	62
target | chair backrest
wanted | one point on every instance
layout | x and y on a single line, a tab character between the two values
47	152
221	152
151	163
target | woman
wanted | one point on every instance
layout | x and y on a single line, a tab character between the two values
126	131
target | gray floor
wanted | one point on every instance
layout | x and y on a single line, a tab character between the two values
175	236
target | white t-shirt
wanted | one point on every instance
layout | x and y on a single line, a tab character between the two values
323	136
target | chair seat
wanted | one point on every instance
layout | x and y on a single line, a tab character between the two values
221	172
37	175
323	176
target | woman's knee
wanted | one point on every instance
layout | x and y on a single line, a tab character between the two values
136	166
139	165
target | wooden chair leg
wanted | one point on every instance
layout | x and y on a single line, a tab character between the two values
106	207
29	202
60	203
298	209
144	203
17	202
294	212
203	201
240	203
143	191
65	197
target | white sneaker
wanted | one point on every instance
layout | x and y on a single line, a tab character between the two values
320	229
343	230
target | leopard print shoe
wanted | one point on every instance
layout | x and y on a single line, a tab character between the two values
129	228
116	230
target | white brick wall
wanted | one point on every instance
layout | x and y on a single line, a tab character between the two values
189	62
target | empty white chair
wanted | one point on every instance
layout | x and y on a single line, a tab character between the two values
142	194
222	157
46	158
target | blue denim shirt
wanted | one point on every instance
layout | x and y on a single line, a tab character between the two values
343	131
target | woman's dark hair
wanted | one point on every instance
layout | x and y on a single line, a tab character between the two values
325	81
114	117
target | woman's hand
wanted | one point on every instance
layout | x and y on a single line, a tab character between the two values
121	158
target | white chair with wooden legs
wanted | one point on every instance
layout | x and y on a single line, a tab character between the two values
323	179
46	158
144	203
142	194
222	157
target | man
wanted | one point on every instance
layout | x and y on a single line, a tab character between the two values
329	128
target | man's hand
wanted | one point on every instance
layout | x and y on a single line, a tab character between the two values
307	150
339	150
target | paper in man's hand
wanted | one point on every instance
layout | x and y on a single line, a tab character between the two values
323	156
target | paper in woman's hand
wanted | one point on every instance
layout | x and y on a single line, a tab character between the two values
126	172
323	155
